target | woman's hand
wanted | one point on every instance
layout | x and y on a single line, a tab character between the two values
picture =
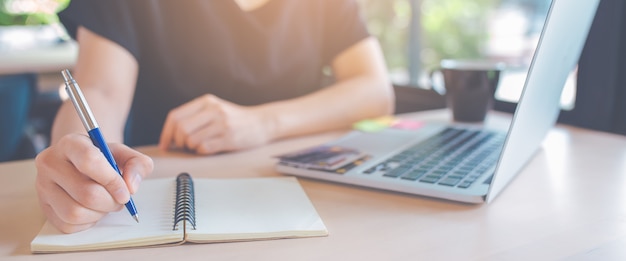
208	125
77	186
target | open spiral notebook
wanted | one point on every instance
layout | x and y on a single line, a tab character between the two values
178	210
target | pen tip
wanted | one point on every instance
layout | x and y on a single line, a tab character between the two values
136	217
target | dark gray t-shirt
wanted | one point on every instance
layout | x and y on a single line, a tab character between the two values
193	47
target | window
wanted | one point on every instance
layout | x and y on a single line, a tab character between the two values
416	34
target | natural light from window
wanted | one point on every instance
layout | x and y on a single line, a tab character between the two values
504	30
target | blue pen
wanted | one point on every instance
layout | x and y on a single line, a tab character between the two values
92	128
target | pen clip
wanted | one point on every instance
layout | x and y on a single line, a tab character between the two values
77	98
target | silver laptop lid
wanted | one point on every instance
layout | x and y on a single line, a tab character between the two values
561	42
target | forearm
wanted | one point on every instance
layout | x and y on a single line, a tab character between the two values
362	90
110	117
337	106
107	74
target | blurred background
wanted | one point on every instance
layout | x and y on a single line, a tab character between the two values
33	48
415	35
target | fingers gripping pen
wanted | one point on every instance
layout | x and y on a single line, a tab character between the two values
85	115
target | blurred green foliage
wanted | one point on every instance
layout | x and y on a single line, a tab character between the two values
454	29
35	18
389	21
448	28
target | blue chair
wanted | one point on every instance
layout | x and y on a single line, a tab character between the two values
16	96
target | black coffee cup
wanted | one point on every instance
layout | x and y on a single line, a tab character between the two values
470	86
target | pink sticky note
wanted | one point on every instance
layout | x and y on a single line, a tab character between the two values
407	124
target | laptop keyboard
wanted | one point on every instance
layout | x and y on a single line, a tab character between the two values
454	157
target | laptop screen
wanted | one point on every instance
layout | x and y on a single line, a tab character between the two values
561	42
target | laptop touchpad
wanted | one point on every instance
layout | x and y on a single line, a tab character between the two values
385	141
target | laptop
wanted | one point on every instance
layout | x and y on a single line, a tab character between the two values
460	162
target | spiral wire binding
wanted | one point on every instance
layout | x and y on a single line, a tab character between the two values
185	209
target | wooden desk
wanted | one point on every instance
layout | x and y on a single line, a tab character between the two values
569	202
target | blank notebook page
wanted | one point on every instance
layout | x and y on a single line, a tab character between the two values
242	209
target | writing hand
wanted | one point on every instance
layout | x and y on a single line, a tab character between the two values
77	186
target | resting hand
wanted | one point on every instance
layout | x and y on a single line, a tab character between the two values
77	186
208	125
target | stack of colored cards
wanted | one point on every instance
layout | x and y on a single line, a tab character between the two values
327	158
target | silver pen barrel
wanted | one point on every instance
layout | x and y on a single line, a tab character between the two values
84	112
